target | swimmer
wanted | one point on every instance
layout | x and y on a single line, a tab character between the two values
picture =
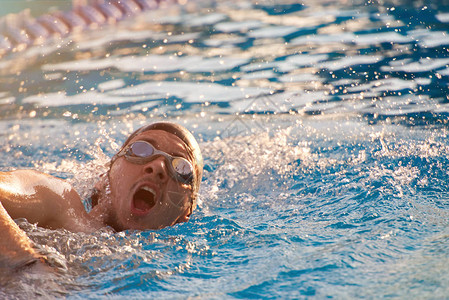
151	183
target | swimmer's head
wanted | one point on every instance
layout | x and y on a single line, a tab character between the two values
192	147
153	181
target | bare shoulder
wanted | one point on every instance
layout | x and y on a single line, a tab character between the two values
41	198
25	182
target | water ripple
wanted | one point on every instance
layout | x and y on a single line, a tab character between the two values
324	132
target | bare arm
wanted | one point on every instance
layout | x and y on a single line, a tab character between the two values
15	247
40	198
43	199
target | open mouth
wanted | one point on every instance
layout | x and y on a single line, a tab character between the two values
144	199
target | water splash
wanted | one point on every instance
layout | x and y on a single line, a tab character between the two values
324	131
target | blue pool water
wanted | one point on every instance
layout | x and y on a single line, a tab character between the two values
324	130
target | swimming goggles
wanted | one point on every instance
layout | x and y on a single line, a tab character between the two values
141	152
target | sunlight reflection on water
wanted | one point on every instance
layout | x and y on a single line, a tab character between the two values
323	128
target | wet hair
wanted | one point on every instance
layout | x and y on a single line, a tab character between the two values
193	151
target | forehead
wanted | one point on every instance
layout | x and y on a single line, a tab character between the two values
163	141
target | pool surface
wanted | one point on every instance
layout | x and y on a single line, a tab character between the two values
324	131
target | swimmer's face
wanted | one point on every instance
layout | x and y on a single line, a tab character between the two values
147	196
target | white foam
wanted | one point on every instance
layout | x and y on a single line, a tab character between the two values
444	72
89	97
349	61
229	41
155	63
429	39
216	64
435	39
106	37
272	32
305	77
388	84
243	26
191	92
208	19
265	74
349	37
80	65
423	65
306	59
443	17
7	100
142	107
152	63
280	66
258	66
111	85
382	37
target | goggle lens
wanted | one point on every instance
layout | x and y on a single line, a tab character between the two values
141	149
181	167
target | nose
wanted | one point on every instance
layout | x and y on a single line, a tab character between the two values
158	168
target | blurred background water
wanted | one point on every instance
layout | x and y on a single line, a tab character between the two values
324	130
